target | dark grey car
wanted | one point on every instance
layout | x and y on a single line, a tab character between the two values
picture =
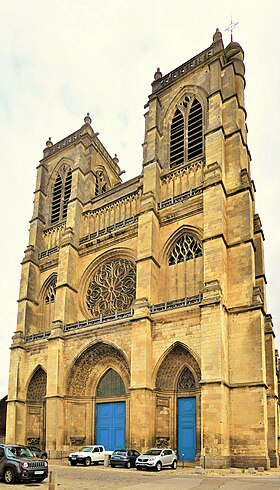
37	452
18	464
124	457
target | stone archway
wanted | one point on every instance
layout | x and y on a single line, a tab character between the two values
36	409
177	392
98	362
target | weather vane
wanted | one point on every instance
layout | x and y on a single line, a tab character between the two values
231	27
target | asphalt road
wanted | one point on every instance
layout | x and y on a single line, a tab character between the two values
102	478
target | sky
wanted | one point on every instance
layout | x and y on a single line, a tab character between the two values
61	59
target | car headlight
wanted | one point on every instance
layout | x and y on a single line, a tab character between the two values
151	459
25	465
45	463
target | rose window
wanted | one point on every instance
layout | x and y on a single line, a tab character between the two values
112	288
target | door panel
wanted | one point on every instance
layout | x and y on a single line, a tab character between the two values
110	425
186	421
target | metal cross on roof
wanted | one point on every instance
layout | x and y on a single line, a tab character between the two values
231	27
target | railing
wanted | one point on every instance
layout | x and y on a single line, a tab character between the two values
181	197
37	336
48	252
109	229
117	315
177	303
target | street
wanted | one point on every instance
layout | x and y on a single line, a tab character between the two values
103	478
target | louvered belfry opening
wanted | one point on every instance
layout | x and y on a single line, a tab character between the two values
186	132
177	139
61	196
195	134
57	192
67	192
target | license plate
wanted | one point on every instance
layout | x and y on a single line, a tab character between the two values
38	472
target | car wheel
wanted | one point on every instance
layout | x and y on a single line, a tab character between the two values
158	466
9	475
174	464
39	480
138	468
73	463
128	464
87	462
112	465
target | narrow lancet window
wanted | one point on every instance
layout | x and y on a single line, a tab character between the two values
195	135
61	196
186	132
177	139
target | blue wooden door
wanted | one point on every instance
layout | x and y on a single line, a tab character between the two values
110	425
186	410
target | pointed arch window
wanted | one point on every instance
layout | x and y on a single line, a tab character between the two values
51	292
38	386
61	195
101	185
47	304
185	248
111	384
186	381
186	132
177	140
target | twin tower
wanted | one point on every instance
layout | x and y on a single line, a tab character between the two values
142	309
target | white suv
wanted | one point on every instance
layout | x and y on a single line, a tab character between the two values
156	458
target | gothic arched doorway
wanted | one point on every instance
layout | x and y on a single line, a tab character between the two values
178	403
36	409
110	411
97	405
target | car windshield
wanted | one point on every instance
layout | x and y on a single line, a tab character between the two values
86	449
22	452
153	452
119	451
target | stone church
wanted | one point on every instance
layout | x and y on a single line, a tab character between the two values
142	314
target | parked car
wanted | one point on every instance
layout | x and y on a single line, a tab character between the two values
37	452
18	464
124	457
156	459
88	454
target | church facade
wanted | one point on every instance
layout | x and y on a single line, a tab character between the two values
142	309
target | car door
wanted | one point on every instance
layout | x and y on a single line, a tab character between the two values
95	454
2	460
166	457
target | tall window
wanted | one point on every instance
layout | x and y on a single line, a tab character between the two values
101	185
186	132
61	195
47	309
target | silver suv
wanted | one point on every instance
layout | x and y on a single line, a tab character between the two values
156	458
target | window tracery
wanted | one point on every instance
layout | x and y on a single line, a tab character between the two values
61	194
112	288
186	381
186	132
111	384
101	185
186	248
38	386
51	292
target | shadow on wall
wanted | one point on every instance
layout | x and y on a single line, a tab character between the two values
3	413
